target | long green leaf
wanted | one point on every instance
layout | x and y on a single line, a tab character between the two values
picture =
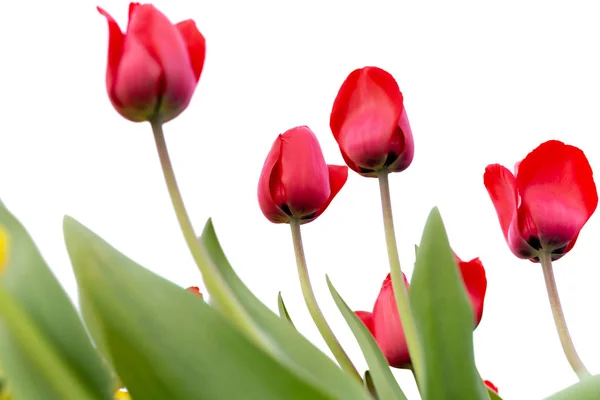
301	355
493	395
164	343
385	384
587	389
444	319
31	283
283	312
33	367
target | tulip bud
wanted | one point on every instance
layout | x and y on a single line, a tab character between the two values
385	326
546	203
295	182
196	290
153	67
384	322
370	125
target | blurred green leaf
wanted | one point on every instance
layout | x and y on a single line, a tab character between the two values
586	389
444	319
283	312
31	284
385	384
493	395
34	369
165	344
306	360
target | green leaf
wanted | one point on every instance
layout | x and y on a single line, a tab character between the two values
283	312
370	385
301	355
164	343
493	395
385	384
444	319
31	284
33	367
586	389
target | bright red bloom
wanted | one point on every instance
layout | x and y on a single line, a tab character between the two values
196	290
547	203
370	125
295	181
491	386
384	322
153	67
385	326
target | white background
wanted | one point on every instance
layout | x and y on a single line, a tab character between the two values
483	83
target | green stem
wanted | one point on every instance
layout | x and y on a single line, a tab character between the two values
313	308
400	292
559	318
214	283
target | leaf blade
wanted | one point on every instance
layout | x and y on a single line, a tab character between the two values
446	337
386	386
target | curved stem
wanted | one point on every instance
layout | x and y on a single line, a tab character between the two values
400	292
559	318
212	279
313	308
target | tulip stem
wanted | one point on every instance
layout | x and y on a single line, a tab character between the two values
214	283
400	292
559	318
313	308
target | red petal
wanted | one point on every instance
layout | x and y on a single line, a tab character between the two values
304	174
402	144
365	115
473	275
557	191
367	319
196	290
267	177
388	328
338	175
196	45
164	42
501	186
115	49
491	386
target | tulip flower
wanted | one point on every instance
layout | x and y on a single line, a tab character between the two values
196	290
546	203
384	322
385	326
295	181
153	67
370	125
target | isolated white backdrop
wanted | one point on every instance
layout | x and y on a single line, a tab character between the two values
483	83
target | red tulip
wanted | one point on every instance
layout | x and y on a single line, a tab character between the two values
295	181
384	322
369	123
546	203
491	386
153	67
196	290
385	326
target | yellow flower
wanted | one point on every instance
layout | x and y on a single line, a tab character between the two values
121	395
4	247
